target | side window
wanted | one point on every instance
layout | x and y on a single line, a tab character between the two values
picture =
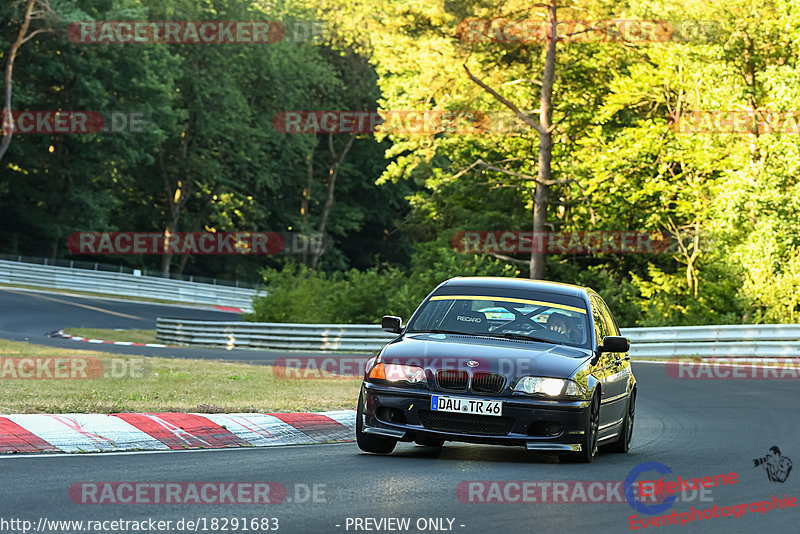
600	328
432	315
613	330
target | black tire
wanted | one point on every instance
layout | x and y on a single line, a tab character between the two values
367	442
429	442
589	443
623	444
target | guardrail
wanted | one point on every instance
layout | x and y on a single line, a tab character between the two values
124	284
718	341
663	342
348	337
107	267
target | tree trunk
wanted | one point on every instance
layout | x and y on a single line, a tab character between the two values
752	104
182	263
7	118
176	200
538	262
333	173
166	258
306	203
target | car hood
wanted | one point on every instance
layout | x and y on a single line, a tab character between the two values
511	358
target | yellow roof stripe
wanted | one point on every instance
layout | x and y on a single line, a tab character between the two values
507	299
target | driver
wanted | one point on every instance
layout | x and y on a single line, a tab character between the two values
562	324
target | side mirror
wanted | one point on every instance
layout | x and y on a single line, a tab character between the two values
392	324
615	344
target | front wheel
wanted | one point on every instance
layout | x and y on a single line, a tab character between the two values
367	442
623	444
589	443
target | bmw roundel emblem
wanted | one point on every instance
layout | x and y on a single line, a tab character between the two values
473	363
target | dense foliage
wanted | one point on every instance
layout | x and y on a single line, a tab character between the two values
213	160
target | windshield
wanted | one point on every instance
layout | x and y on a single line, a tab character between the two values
514	318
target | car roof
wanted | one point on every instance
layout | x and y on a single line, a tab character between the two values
525	284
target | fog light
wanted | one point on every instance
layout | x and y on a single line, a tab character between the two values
390	415
553	429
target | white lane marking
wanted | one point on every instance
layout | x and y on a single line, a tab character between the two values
86	432
257	428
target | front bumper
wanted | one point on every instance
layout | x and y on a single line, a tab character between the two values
395	412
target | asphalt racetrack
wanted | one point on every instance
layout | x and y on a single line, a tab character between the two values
695	428
31	315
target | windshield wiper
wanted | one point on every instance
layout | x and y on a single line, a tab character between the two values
505	335
439	331
523	337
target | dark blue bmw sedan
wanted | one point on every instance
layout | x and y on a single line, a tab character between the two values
502	361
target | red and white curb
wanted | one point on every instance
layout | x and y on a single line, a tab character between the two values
231	309
171	430
61	334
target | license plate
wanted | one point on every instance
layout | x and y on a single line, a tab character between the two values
472	406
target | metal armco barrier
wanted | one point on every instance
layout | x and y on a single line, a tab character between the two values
665	342
347	337
717	341
124	284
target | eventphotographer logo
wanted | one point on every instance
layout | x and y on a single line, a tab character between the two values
666	489
777	467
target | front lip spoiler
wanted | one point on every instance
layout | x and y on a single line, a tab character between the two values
390	432
531	445
538	446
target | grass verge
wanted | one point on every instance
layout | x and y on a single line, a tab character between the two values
141	384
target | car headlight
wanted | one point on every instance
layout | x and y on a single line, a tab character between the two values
551	387
393	372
